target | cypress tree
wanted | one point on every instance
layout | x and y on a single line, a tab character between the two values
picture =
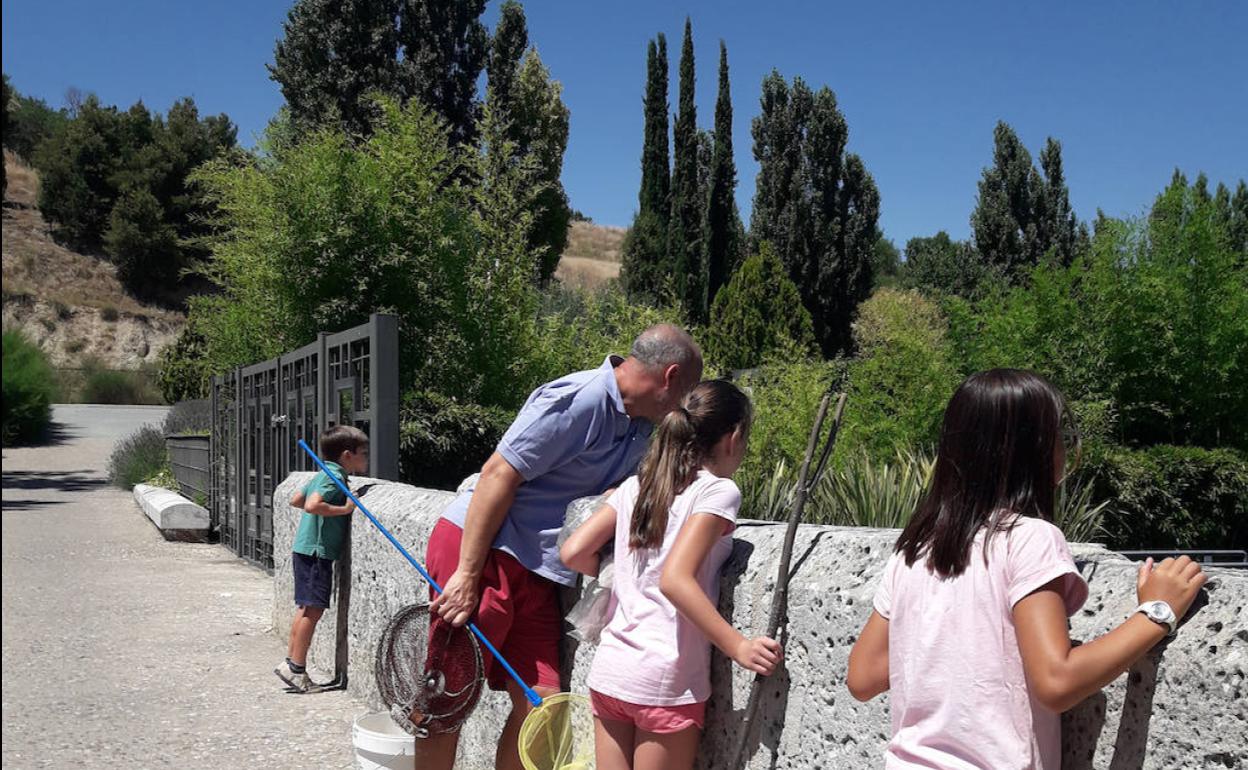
539	122
721	227
684	241
332	55
444	47
644	254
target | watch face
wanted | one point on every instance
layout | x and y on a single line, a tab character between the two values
1157	612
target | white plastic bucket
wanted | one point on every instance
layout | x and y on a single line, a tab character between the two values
380	744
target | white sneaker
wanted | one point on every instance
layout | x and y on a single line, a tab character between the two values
301	682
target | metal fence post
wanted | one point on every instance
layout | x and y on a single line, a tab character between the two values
384	396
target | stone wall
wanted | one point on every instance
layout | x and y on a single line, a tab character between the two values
1183	706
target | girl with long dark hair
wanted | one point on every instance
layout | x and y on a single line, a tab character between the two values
969	629
672	525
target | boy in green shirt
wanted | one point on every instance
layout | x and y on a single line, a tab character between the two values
323	529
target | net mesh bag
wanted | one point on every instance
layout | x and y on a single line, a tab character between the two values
429	673
559	734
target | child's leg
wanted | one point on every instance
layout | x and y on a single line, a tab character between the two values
508	755
301	630
613	744
666	751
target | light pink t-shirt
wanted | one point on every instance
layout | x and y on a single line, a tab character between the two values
958	694
650	654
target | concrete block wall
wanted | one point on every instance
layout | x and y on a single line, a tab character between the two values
1184	706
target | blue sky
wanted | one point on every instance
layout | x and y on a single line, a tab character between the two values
1132	89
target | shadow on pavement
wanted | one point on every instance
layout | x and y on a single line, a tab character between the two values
56	481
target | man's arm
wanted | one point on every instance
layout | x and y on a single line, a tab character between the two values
492	498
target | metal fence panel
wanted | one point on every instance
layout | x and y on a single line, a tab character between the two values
189	459
261	411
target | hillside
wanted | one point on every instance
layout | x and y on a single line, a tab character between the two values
71	304
592	256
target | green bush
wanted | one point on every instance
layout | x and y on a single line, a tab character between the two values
138	457
441	441
760	310
1173	497
116	386
902	379
182	367
866	493
28	389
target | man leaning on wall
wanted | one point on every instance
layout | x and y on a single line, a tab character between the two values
494	550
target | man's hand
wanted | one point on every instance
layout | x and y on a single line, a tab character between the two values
458	600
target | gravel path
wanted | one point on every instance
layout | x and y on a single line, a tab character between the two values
123	650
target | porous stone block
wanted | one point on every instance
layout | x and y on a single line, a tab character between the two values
1182	706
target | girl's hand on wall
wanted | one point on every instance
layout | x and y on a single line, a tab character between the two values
1174	581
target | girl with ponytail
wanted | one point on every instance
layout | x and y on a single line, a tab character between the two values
672	526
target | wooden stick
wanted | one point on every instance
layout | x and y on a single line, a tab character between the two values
780	598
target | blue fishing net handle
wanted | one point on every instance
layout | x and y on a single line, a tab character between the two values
529	693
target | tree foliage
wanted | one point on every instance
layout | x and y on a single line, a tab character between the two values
29	122
1021	216
757	313
939	265
816	203
444	47
644	268
334	230
722	220
684	235
333	55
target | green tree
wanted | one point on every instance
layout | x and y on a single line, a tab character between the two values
1021	216
817	204
758	312
885	261
444	46
939	265
722	220
684	236
644	267
1232	214
30	121
141	242
507	47
333	230
76	169
539	125
332	56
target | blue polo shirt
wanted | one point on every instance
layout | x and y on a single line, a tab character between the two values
571	439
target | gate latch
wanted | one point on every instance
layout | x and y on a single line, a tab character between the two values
278	419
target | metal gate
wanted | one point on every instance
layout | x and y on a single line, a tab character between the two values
260	412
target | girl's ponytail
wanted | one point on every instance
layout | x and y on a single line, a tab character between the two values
685	438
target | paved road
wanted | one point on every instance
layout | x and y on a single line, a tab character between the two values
122	650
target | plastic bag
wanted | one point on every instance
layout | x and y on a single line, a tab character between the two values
593	611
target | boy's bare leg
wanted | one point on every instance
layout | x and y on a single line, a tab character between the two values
301	630
508	755
437	752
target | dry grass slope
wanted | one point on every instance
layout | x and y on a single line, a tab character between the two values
70	303
592	256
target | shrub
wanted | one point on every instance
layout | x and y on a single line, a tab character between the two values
193	416
109	314
28	389
577	328
441	441
866	493
115	386
138	457
182	371
901	381
1173	497
786	396
760	310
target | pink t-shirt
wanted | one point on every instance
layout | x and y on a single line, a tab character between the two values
958	694
650	654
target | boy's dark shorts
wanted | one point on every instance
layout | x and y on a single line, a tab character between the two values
314	577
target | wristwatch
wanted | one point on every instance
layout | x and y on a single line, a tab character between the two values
1160	613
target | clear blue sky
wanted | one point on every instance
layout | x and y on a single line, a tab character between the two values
1132	89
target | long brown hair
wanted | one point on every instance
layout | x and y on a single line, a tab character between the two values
685	438
996	461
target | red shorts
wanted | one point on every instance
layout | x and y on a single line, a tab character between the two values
519	611
652	719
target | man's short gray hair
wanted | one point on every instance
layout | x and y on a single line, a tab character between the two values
662	345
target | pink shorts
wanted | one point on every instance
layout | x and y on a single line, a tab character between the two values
652	719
